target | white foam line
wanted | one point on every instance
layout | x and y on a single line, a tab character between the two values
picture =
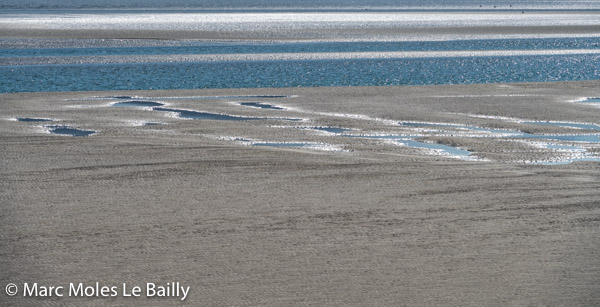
580	99
84	106
119	59
135	123
324	147
173	114
245	141
43	129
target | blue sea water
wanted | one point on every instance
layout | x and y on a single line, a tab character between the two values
298	73
96	65
310	47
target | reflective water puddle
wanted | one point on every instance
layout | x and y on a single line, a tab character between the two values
591	100
591	138
66	130
434	147
31	119
441	148
116	97
261	105
215	116
203	115
566	125
137	103
577	153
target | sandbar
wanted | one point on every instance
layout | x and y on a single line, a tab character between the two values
367	223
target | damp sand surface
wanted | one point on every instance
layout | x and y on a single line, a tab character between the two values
375	224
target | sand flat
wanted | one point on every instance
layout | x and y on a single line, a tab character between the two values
372	224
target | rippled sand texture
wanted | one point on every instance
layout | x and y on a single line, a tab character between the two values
340	219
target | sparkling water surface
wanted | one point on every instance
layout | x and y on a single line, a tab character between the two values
306	73
300	47
40	65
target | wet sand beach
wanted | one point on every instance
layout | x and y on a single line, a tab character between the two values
349	219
